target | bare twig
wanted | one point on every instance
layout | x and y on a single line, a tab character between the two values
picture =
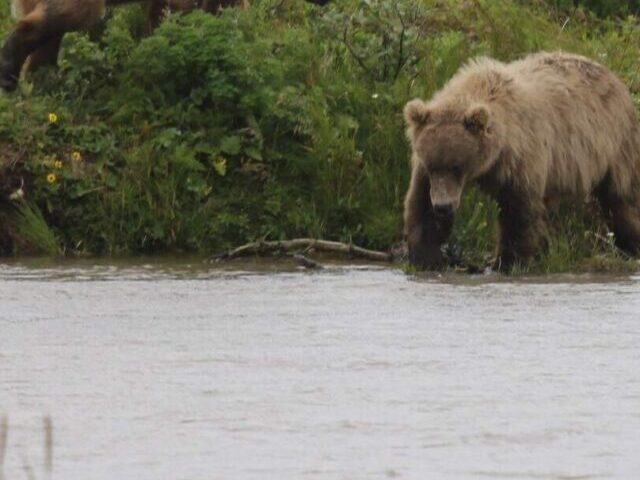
4	432
48	444
401	59
353	53
304	244
609	243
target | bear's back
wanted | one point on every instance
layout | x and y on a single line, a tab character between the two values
550	76
564	119
545	78
583	115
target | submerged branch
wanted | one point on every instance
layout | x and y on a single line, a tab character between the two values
305	245
4	431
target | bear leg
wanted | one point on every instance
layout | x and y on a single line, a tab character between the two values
522	228
426	232
622	213
45	54
625	222
21	42
623	217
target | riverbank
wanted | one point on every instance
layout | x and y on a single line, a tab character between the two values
278	122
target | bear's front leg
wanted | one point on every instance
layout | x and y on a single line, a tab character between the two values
12	58
426	231
522	227
45	54
28	34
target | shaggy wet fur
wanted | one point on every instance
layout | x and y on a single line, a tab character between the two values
549	125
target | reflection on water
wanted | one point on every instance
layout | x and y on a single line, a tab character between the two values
251	371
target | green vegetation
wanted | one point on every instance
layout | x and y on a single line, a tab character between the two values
277	122
604	8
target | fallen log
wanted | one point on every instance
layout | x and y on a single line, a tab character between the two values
263	247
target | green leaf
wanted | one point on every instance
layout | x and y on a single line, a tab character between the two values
253	153
231	145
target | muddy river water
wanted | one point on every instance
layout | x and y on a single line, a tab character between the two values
179	370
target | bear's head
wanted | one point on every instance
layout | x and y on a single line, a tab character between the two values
452	144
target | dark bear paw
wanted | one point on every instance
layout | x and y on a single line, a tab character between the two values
8	76
427	257
8	82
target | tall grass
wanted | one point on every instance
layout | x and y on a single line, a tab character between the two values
32	228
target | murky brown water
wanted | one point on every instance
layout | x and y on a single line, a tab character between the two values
171	371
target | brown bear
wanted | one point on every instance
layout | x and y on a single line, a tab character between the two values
548	125
42	24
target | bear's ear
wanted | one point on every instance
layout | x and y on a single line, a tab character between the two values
416	113
476	119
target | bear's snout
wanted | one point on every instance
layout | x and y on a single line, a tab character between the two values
445	195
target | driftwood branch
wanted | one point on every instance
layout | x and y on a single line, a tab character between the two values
304	245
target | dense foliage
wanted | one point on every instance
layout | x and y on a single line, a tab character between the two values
280	121
604	8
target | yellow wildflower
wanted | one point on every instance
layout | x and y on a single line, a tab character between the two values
220	166
51	178
76	156
57	164
53	118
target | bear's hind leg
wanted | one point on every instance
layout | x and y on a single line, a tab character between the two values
623	215
522	228
426	232
625	221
